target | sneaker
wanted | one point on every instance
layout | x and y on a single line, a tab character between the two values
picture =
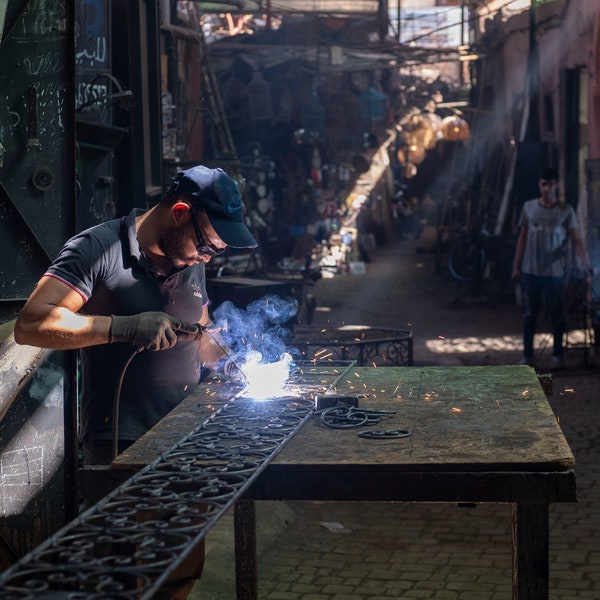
526	360
557	362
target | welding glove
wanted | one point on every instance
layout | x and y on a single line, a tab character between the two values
152	330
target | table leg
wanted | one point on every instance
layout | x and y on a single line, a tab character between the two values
246	566
530	533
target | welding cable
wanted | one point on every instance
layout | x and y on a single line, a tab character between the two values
116	401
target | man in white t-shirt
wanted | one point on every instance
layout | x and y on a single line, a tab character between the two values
542	259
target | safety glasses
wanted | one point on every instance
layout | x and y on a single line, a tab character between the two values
203	247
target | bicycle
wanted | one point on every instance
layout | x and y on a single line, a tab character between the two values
483	260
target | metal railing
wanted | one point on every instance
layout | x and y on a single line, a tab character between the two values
127	545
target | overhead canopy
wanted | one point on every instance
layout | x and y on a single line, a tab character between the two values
339	7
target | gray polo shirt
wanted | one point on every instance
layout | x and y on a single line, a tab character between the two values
104	264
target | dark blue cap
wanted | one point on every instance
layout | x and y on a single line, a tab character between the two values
215	192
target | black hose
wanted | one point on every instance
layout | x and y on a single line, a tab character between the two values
116	401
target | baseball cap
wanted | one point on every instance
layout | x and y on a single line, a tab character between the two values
215	192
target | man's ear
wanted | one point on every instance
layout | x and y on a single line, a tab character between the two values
180	209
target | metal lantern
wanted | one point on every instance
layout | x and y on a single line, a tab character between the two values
455	129
416	153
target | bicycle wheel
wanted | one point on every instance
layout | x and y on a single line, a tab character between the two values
465	260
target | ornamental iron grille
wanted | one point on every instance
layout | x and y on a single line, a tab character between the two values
127	545
367	346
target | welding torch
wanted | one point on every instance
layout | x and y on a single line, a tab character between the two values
235	370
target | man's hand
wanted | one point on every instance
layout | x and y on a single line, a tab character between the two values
152	330
516	274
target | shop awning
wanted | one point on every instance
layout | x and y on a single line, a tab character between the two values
338	7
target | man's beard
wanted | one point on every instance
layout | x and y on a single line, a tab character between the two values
171	244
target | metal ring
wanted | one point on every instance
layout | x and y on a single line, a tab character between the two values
343	417
390	434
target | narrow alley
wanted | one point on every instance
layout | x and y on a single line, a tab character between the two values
355	551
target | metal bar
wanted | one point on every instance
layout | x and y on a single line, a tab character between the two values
246	562
530	534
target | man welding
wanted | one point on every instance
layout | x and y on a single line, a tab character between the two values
131	294
134	289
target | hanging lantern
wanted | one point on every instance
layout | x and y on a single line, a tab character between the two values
455	129
416	153
424	129
410	170
434	129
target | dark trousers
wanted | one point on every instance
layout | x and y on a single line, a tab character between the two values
540	293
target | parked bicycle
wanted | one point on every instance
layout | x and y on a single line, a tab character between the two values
483	261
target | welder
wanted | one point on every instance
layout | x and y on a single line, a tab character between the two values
131	294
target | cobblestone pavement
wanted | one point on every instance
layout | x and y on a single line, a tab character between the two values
355	551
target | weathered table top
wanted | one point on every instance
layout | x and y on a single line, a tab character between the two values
478	434
466	424
460	418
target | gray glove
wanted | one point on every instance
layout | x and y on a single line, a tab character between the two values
152	330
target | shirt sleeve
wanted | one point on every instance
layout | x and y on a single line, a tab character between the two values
79	263
571	222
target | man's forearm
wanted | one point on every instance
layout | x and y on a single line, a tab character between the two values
61	329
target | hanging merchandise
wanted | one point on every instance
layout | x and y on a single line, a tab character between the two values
259	98
455	129
372	104
312	116
315	167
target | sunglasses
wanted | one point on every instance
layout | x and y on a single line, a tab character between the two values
203	247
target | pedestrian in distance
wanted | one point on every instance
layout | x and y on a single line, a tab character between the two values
549	233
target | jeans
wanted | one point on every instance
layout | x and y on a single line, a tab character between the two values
540	292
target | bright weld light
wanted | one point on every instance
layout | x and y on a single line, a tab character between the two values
265	380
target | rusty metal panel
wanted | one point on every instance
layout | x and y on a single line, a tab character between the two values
98	94
37	141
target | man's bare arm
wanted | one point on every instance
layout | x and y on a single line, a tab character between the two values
49	319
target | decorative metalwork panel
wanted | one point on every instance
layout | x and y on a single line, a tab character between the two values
367	346
127	545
